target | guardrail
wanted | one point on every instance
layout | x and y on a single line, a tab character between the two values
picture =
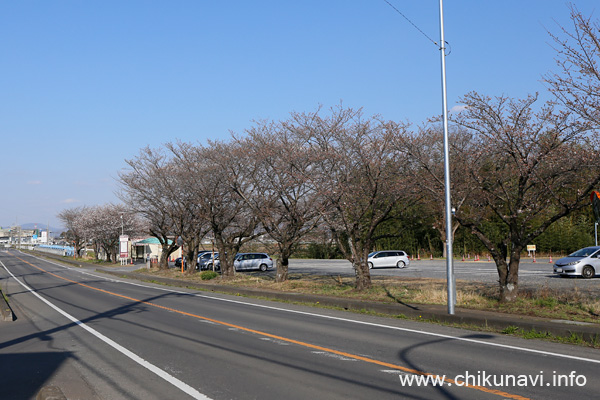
66	251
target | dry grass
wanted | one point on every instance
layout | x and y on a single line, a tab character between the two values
543	302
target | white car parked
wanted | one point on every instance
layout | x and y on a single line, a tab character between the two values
584	262
249	261
388	258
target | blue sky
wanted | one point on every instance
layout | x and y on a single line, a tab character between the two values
85	84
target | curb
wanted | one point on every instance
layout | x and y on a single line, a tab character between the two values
50	393
589	332
5	309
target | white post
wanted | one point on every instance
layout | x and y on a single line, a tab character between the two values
451	280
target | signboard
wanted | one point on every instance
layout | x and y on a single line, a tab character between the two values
531	247
124	246
595	198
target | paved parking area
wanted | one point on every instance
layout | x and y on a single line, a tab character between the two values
531	274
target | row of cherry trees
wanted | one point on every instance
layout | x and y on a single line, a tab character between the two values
517	167
101	226
282	180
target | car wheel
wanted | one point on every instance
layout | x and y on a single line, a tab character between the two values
263	267
370	265
588	272
400	264
218	267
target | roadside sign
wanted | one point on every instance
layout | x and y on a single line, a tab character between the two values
595	199
123	246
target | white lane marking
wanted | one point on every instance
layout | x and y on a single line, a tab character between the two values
276	341
418	332
331	355
184	387
395	372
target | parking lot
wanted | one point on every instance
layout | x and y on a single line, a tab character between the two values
531	274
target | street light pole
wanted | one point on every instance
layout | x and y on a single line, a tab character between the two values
451	280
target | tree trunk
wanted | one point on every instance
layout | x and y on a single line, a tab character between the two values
166	250
164	261
363	275
442	232
77	248
358	257
282	269
508	274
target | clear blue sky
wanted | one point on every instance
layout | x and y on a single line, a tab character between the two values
85	84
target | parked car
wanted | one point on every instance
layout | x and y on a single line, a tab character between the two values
200	259
205	261
388	258
250	261
178	262
584	262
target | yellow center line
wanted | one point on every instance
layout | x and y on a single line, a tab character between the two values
300	343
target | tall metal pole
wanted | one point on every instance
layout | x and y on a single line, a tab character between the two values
449	267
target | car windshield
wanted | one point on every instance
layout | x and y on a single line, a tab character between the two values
588	251
371	254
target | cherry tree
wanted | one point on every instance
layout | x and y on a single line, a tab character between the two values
104	224
576	84
276	165
425	158
211	171
149	188
74	234
526	169
360	177
189	208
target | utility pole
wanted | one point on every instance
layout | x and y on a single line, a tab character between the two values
451	280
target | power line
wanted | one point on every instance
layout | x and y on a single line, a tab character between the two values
412	23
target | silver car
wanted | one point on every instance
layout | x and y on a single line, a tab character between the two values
388	258
205	261
249	261
584	262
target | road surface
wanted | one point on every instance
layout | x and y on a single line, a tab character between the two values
104	338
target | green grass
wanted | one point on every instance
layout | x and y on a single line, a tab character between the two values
208	275
570	305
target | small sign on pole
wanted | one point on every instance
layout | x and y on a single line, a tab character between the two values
123	247
595	199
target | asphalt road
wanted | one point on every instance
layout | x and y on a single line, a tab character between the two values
103	338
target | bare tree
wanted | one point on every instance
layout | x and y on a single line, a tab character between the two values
189	207
277	162
527	169
211	171
359	176
150	189
577	83
425	158
104	224
74	234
